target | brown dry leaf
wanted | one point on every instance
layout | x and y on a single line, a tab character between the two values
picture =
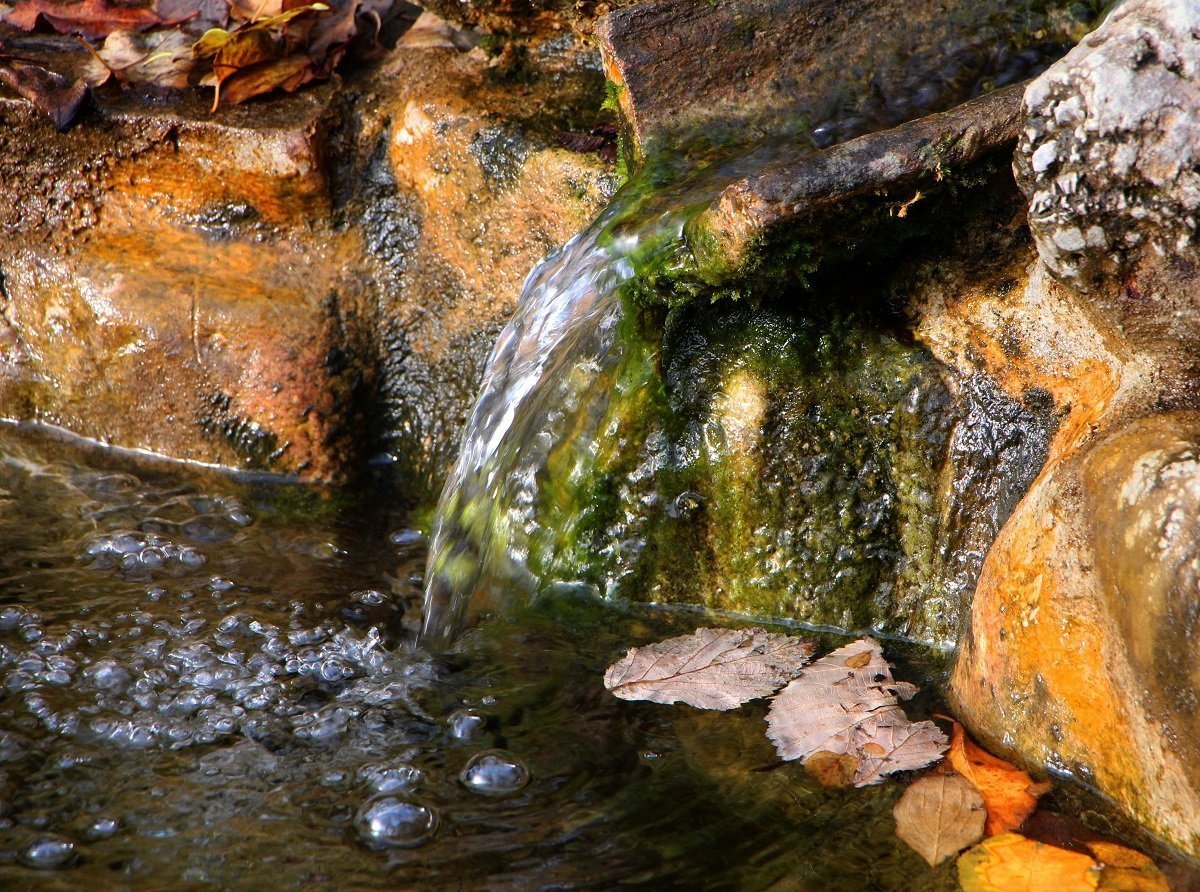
832	770
893	743
846	703
1127	870
1011	795
92	19
288	74
1011	863
52	94
709	669
257	58
161	58
939	816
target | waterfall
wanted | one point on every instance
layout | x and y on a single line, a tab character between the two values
549	373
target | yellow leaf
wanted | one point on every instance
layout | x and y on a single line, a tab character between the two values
1011	863
1126	870
1008	792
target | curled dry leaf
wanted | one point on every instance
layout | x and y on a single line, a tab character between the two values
1010	794
846	703
90	18
939	816
1010	861
709	669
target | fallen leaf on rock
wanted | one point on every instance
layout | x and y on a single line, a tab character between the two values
940	815
258	57
51	93
161	58
1127	870
1010	794
846	703
709	669
1010	862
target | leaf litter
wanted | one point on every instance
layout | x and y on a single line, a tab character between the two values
847	704
709	669
241	48
841	716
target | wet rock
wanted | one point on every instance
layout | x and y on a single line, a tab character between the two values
826	70
167	286
280	285
478	189
1080	652
864	185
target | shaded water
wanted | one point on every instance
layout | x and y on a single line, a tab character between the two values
206	684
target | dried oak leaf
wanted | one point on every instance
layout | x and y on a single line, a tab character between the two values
1010	794
92	19
846	703
940	815
709	669
1010	862
52	94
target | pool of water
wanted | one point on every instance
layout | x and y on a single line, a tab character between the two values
207	683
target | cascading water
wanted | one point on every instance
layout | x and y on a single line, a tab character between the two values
555	366
541	379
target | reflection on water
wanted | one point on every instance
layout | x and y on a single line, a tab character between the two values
207	684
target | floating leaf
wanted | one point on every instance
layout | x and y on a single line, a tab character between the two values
846	703
709	669
832	769
1010	862
1126	870
1010	794
52	94
940	815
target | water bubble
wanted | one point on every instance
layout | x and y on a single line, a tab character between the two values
465	724
406	538
392	778
391	821
494	773
103	828
50	853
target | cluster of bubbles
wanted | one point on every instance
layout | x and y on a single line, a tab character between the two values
122	641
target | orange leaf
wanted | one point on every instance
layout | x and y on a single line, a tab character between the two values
1011	863
1126	870
1008	792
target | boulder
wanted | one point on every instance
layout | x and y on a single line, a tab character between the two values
297	283
1080	655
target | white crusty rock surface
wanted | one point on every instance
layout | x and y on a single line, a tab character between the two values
1110	152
